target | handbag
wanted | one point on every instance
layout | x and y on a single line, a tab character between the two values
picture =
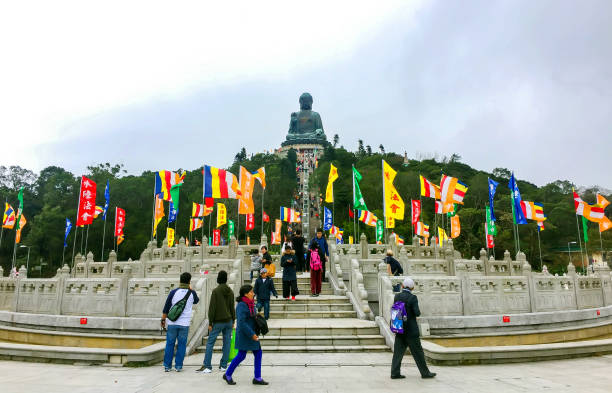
177	309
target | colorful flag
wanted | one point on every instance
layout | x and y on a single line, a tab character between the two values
289	215
533	210
394	204
22	222
99	210
351	212
492	188
172	212
120	239
106	199
540	226
441	236
358	201
265	217
250	222
329	192
491	227
159	212
337	233
539	212
230	229
416	211
276	235
380	231
260	175
87	202
351	239
399	240
195	223
390	222
452	190
245	200
517	212
218	183
421	229
605	224
170	236
165	181
438	207
20	208
8	221
601	201
216	239
490	238
455	226
119	220
327	219
200	210
451	210
367	217
593	213
221	215
585	229
67	231
429	189
174	196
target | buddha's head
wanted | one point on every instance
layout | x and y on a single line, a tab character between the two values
305	101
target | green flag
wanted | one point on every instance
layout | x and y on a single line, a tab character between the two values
358	201
584	229
491	228
20	210
380	230
454	212
230	229
174	195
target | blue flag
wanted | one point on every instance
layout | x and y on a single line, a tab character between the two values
519	217
67	231
107	197
172	212
492	187
327	219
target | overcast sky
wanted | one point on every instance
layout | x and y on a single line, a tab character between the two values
525	85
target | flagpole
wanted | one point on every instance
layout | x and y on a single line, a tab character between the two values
153	218
354	226
539	247
382	178
76	229
86	239
263	193
103	236
580	243
600	244
6	201
238	224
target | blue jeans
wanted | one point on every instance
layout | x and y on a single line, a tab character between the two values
266	306
176	332
239	358
226	329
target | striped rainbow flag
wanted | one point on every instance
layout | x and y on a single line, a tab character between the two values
165	180
219	183
289	215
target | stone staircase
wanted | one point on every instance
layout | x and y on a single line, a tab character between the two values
327	323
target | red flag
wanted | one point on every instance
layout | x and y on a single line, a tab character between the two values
250	222
216	237
490	241
87	202
265	217
416	211
119	221
351	214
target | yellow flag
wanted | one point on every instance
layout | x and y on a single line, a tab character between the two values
389	222
455	226
333	175
441	236
159	212
350	239
394	204
221	215
170	237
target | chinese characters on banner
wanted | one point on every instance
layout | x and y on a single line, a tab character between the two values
216	237
119	221
245	201
250	222
416	211
221	215
87	202
170	237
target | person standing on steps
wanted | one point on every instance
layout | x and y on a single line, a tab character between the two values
298	246
289	276
264	286
323	249
314	260
410	338
246	339
221	317
394	268
178	330
266	261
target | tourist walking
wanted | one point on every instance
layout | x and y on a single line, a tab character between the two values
289	275
394	268
177	320
221	317
297	241
323	249
410	338
246	339
316	267
266	262
264	286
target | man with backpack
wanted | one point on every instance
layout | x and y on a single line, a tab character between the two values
404	312
177	316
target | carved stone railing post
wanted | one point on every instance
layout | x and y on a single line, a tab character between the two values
233	245
462	274
363	242
263	241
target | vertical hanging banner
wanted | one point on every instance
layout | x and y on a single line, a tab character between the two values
87	202
245	200
119	221
221	215
455	226
250	222
67	231
380	231
216	239
170	237
276	235
230	229
327	219
159	212
416	211
265	217
172	212
22	222
329	192
490	239
394	204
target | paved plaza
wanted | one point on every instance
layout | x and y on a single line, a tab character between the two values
288	373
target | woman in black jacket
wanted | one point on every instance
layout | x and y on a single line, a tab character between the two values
288	262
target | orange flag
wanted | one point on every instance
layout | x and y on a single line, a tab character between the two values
455	226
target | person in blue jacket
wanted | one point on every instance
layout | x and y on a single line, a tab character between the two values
246	339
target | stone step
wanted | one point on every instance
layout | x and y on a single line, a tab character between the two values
293	341
314	348
310	306
306	298
312	314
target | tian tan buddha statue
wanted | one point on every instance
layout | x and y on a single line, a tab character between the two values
305	126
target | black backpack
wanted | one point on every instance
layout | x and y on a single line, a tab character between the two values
261	325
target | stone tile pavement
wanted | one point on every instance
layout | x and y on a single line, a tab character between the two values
337	372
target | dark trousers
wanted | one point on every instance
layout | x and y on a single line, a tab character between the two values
402	342
265	304
290	285
300	266
315	281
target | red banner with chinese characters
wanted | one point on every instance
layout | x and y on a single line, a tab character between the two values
416	211
87	202
250	222
119	221
265	217
216	237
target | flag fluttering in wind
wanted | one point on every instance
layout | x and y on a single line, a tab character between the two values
337	233
21	223
399	240
221	214
490	238
99	210
67	231
601	201
394	204
367	217
120	238
250	222
518	216
416	211
492	188
87	202
200	210
170	236
490	224
8	220
245	199
455	226
438	207
119	221
593	213
265	217
218	184
441	236
327	219
358	201
260	175
329	192
159	212
533	210
106	200
380	231
429	189
585	229
172	212
452	190
421	229
540	226
452	211
165	181
289	215
195	223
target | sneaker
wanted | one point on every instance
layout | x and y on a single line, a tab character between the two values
221	368
178	370
167	369
204	370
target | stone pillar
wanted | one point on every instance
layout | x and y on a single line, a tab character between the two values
180	249
112	256
526	271
508	262
232	246
263	241
404	261
462	274
603	272
125	282
1	272
363	242
393	243
23	272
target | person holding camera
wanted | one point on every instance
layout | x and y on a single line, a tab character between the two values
288	262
